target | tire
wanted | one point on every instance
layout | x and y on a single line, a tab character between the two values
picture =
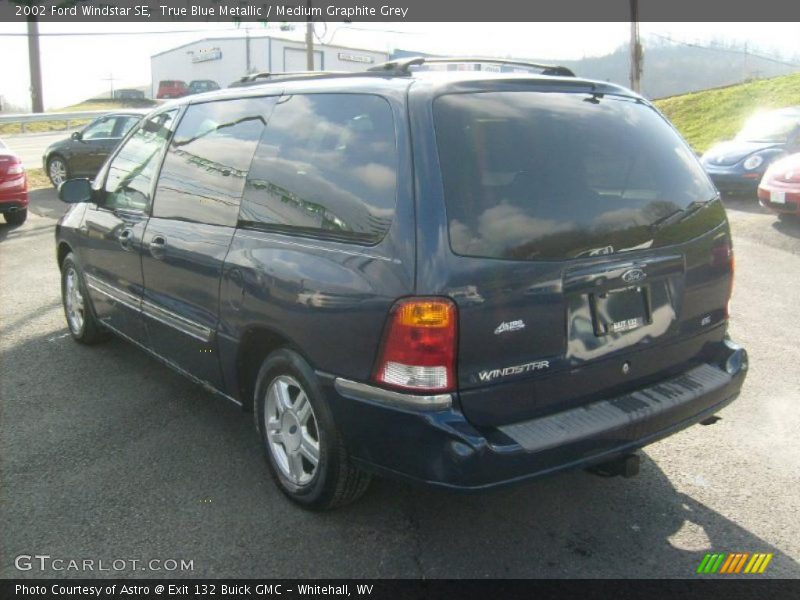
17	217
81	320
57	170
290	429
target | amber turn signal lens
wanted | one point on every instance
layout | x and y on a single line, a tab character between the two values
427	313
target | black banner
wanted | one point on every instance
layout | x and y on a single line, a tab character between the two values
396	10
482	589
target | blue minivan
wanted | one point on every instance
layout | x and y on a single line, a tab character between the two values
461	278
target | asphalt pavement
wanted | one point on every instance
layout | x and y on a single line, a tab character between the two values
30	147
107	455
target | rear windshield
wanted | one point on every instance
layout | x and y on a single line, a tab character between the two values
534	176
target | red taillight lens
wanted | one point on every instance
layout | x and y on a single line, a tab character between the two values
722	258
15	168
418	351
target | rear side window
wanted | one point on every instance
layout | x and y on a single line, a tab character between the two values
532	175
204	172
326	166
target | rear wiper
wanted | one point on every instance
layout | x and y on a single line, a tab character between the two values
679	215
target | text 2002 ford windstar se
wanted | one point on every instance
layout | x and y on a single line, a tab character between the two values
461	278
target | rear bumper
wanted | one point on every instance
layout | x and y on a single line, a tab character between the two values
732	182
441	448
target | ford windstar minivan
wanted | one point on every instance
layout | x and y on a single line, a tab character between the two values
461	278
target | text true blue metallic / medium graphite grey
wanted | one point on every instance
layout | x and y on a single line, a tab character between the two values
462	278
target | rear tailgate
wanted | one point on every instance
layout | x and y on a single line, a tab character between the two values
588	254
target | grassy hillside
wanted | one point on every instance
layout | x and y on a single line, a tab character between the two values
715	115
93	104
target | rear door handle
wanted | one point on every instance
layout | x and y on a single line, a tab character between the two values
157	246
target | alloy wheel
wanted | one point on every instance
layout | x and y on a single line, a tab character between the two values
291	430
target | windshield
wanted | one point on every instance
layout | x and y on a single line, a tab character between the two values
533	175
769	127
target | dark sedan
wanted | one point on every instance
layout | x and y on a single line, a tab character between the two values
84	152
737	166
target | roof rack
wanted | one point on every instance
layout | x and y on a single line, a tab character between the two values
255	78
402	66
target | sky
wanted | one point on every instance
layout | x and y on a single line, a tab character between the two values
76	67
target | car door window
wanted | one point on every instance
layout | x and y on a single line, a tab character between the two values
131	172
326	166
100	129
124	125
204	173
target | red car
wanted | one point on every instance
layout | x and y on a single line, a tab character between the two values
779	189
172	88
13	187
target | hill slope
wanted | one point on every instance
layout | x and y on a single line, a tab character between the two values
715	115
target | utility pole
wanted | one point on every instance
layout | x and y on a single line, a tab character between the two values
247	49
636	48
744	66
309	39
110	79
35	66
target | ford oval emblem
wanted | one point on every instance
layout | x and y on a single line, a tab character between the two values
633	275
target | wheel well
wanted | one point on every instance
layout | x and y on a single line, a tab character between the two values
256	344
63	250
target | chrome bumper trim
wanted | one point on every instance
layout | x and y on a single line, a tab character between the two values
370	393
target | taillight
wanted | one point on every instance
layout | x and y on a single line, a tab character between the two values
418	350
16	168
722	257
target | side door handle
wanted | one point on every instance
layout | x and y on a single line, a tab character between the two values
126	238
157	246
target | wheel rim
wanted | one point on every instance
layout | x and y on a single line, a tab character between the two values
74	301
291	430
58	171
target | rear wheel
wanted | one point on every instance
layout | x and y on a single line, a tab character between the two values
17	217
57	170
83	325
304	450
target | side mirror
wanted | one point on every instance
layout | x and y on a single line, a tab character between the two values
77	136
75	191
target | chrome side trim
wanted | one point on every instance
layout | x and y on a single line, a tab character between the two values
172	365
117	295
370	393
323	248
182	324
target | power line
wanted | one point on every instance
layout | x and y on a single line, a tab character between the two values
729	50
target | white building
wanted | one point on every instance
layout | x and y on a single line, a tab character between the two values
227	59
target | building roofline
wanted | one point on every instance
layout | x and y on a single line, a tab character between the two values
261	37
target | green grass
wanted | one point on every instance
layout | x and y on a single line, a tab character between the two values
711	116
42	126
37	179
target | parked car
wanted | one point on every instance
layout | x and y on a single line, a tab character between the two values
129	94
198	86
466	279
13	187
779	190
172	88
83	153
738	165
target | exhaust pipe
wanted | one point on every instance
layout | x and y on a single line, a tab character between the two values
627	466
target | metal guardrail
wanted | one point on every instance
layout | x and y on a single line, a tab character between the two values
23	119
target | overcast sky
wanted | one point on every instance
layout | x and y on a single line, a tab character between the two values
75	67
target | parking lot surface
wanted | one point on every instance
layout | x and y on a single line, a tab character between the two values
106	454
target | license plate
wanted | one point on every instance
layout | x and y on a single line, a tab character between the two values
619	311
777	197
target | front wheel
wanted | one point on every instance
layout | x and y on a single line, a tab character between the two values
83	325
305	453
